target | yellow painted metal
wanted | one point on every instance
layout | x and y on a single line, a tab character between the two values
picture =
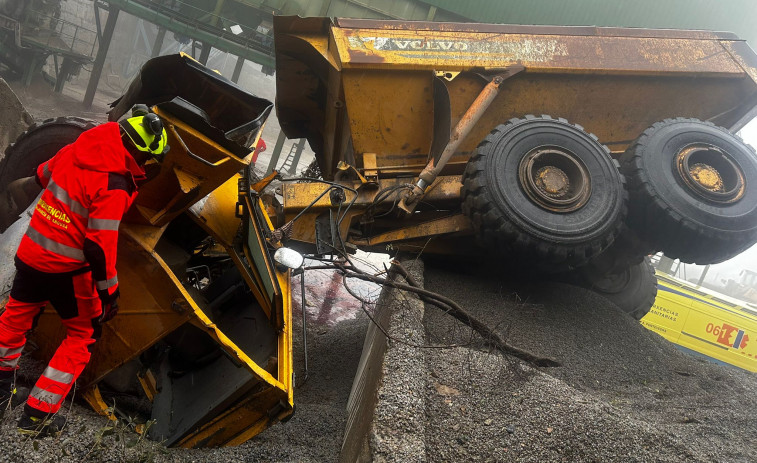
286	348
253	413
187	181
201	320
344	167
383	73
265	181
463	50
216	212
369	166
268	223
433	228
445	191
199	178
237	424
153	303
194	167
378	94
253	280
146	236
95	400
297	196
708	177
304	228
272	295
463	127
392	115
216	216
148	383
705	322
604	105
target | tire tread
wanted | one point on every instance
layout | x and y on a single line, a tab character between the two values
494	230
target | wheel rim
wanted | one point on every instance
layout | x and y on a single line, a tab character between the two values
555	179
710	173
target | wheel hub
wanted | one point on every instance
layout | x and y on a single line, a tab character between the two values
707	177
552	181
710	173
555	179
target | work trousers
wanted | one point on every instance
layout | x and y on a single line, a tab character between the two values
74	297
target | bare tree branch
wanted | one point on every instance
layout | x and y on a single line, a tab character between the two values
491	338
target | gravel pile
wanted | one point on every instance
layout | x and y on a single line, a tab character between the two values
398	429
621	394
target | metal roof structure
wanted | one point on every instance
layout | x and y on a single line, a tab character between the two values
210	21
736	16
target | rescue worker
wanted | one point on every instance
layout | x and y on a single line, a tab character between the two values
68	256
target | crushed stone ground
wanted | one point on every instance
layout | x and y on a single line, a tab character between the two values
622	393
314	434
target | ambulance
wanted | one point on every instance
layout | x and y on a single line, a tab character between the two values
705	323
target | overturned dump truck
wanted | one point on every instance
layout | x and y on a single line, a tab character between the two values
556	148
430	138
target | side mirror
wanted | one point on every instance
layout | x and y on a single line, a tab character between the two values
288	258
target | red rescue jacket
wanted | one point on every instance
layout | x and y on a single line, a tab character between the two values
89	185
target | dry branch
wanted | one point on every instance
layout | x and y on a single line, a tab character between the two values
449	306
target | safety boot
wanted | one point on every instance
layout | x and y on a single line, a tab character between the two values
11	395
35	427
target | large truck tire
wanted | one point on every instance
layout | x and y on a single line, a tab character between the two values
36	145
633	288
626	251
693	190
544	191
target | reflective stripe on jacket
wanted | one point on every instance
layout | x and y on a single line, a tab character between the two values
89	185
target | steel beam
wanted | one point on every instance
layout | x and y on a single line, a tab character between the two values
205	53
237	70
212	36
276	152
102	51
157	46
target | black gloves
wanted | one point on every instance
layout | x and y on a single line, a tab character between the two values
110	306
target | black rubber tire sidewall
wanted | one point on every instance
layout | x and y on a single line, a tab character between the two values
658	162
37	144
636	297
564	240
671	217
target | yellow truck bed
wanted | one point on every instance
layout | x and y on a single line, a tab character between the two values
354	86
